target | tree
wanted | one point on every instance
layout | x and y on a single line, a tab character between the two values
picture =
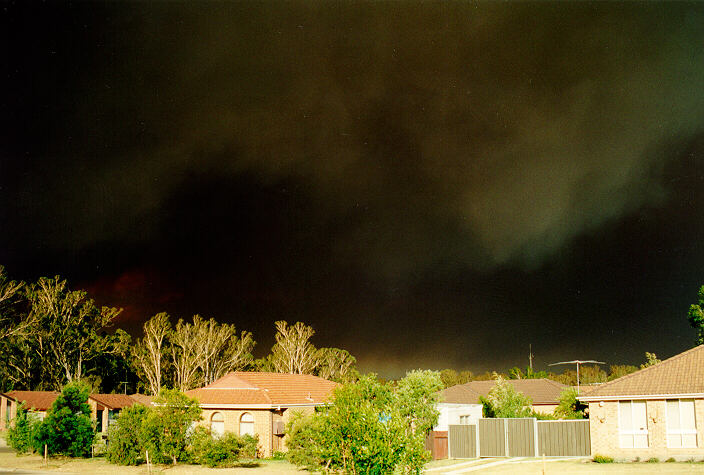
451	377
125	437
504	400
220	349
148	353
650	360
336	365
369	427
165	429
20	436
13	321
67	428
185	353
67	329
696	317
617	371
569	406
518	373
293	353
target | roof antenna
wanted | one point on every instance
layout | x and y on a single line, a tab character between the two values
579	362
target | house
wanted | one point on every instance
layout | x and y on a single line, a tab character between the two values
260	404
544	394
655	412
458	405
104	407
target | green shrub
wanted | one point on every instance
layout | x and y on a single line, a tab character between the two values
223	451
165	429
278	455
21	435
670	460
67	428
603	459
125	446
653	460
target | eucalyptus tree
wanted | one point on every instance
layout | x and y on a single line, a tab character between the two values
149	352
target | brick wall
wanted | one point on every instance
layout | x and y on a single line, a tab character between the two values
603	427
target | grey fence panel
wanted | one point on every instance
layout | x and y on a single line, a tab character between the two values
463	441
564	438
492	437
521	437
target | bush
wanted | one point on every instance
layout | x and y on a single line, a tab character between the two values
653	460
124	436
369	427
603	459
21	435
67	428
570	407
223	451
165	428
670	460
278	455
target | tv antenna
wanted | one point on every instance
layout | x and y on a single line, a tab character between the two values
578	362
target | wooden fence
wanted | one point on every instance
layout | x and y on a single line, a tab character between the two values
519	438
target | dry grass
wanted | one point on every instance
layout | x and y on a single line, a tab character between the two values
535	467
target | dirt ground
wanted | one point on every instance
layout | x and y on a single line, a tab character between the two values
30	463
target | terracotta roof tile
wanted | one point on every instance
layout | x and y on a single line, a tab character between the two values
113	401
37	400
540	391
275	389
681	374
142	399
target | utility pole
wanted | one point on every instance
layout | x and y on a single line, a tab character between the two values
530	356
579	362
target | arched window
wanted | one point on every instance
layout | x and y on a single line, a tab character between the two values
217	424
247	424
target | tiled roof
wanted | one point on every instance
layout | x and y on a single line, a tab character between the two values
142	399
681	374
37	400
113	401
274	389
540	391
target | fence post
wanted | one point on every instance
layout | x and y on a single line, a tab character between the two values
535	431
506	435
46	463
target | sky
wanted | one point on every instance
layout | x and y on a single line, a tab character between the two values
427	184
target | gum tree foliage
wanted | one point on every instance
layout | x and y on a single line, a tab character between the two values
451	377
67	428
149	352
504	400
650	360
696	317
293	353
617	371
369	427
569	406
336	364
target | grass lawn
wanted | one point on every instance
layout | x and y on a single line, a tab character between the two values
535	467
8	460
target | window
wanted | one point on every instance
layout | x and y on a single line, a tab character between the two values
681	426
217	424
464	420
246	424
632	425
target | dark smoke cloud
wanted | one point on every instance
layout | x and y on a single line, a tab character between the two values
373	152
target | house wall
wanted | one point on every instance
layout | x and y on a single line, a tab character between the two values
450	414
604	432
263	424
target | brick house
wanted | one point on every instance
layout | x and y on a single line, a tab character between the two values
104	407
657	412
260	404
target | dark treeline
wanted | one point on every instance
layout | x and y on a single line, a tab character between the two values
51	335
